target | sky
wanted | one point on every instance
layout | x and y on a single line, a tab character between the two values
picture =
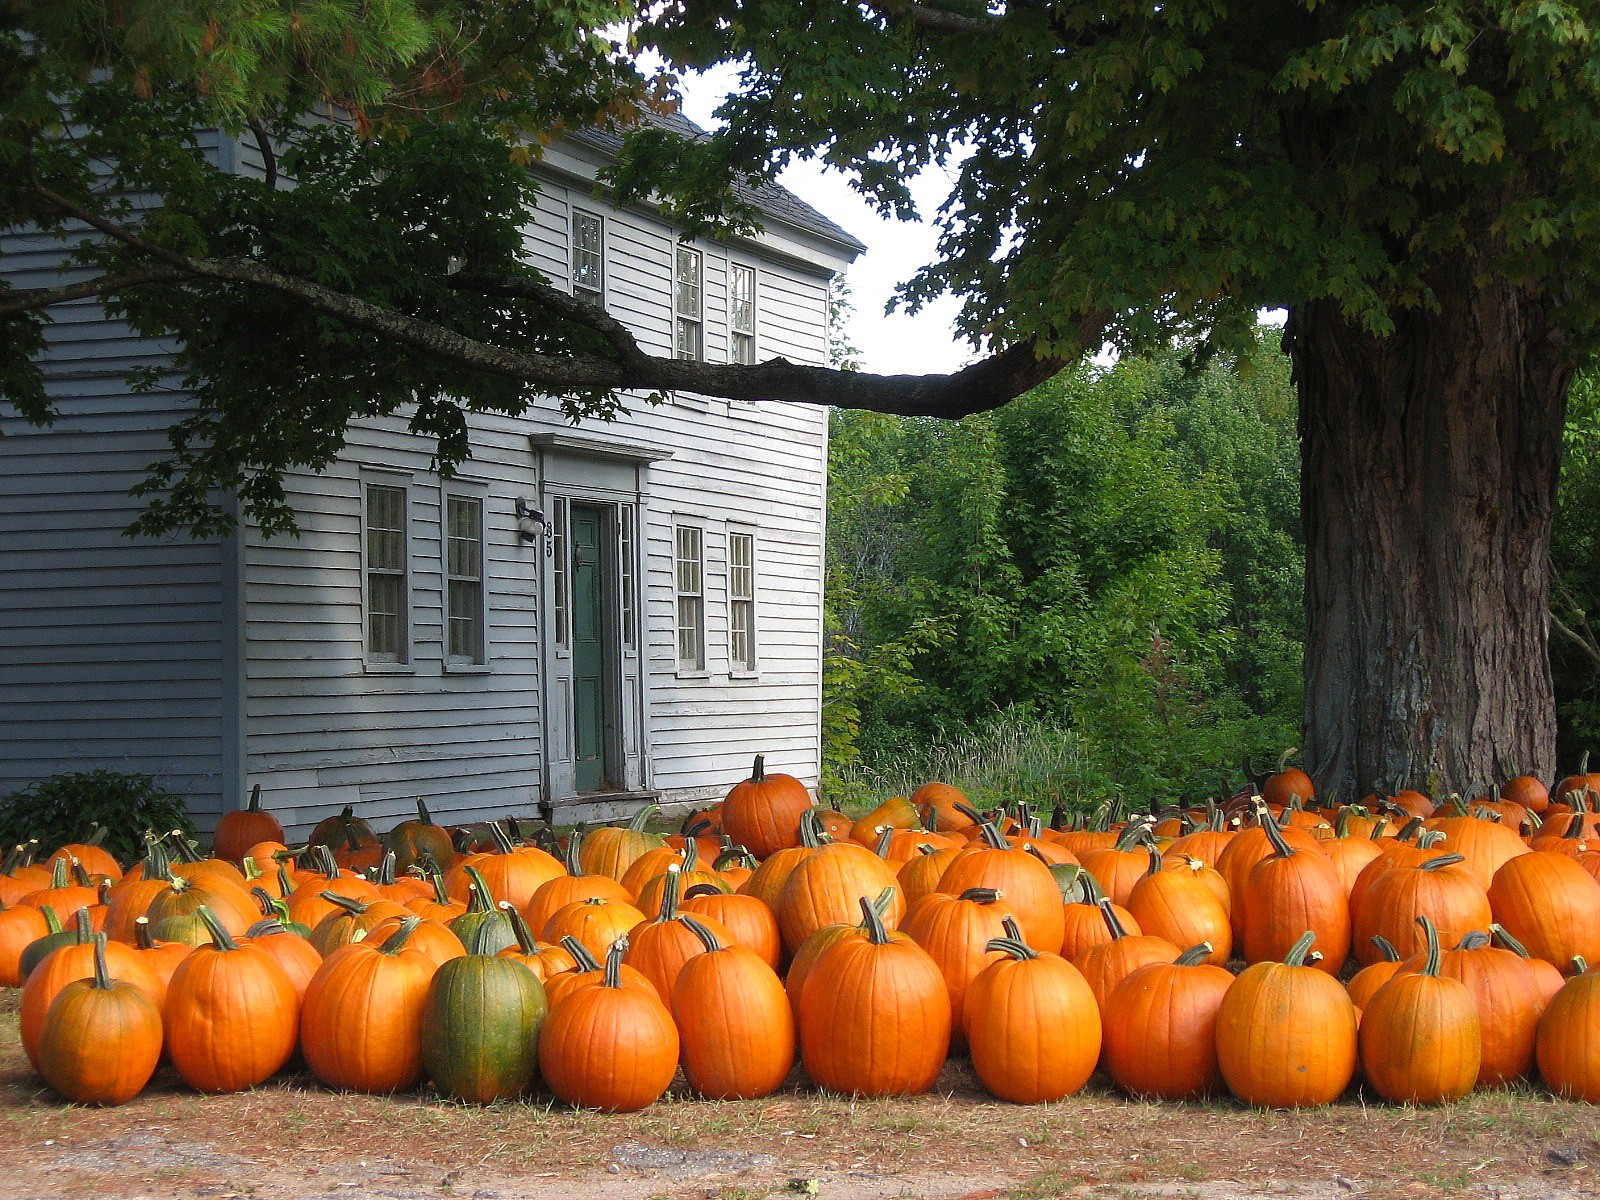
889	345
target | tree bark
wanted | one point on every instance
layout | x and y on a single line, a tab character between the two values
1429	467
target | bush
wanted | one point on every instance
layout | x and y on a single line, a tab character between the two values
66	808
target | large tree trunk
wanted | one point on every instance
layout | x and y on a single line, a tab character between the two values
1429	468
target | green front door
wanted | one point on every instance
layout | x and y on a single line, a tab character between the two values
590	648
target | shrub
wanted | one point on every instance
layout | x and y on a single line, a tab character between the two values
65	808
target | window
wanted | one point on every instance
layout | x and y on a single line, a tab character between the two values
387	585
625	538
686	304
558	574
464	611
689	577
742	314
741	602
588	258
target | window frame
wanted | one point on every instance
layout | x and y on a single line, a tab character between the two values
456	663
403	659
683	319
596	294
741	338
695	597
750	665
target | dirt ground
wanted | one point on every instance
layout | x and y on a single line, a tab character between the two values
292	1139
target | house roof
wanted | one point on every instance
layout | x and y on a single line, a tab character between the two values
773	199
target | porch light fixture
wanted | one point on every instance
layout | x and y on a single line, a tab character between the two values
530	521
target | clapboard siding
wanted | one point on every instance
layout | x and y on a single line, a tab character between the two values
112	649
119	653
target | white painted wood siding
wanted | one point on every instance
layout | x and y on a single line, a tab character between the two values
114	652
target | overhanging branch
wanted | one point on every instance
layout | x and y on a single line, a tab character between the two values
985	385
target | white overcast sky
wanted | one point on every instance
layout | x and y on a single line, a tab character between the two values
889	345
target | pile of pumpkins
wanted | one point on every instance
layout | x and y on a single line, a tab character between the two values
1263	945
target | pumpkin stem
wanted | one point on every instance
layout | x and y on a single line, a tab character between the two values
85	927
1501	934
271	927
1108	911
671	887
479	899
643	817
102	973
1297	955
255	799
422	812
397	940
981	895
580	953
1444	860
519	927
1431	932
758	773
885	840
220	937
1132	834
1385	948
1580	965
1156	862
613	972
52	922
992	835
574	846
350	905
1014	947
1195	955
872	923
812	834
691	855
141	934
502	840
1477	939
703	932
383	873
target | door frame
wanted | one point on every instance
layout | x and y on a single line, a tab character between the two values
609	475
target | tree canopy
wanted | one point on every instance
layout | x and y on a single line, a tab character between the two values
1416	183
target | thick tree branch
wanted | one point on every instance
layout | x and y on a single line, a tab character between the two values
985	385
14	303
934	19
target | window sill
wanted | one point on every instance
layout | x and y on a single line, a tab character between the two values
693	673
388	668
465	668
740	675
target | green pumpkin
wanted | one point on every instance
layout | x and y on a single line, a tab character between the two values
483	928
483	1017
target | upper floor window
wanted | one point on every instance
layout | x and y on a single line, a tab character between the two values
386	579
686	305
588	258
689	584
742	314
464	592
741	602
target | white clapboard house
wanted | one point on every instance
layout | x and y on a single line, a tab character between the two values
586	616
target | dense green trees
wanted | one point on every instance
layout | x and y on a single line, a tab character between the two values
1416	184
1117	552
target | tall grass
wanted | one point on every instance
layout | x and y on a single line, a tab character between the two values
1009	758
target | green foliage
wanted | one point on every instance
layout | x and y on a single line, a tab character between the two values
1179	166
67	808
1575	576
1116	554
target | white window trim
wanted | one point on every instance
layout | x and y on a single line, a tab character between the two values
751	670
572	252
700	670
734	332
405	664
455	664
698	316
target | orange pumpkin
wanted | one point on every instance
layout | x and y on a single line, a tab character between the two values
763	813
